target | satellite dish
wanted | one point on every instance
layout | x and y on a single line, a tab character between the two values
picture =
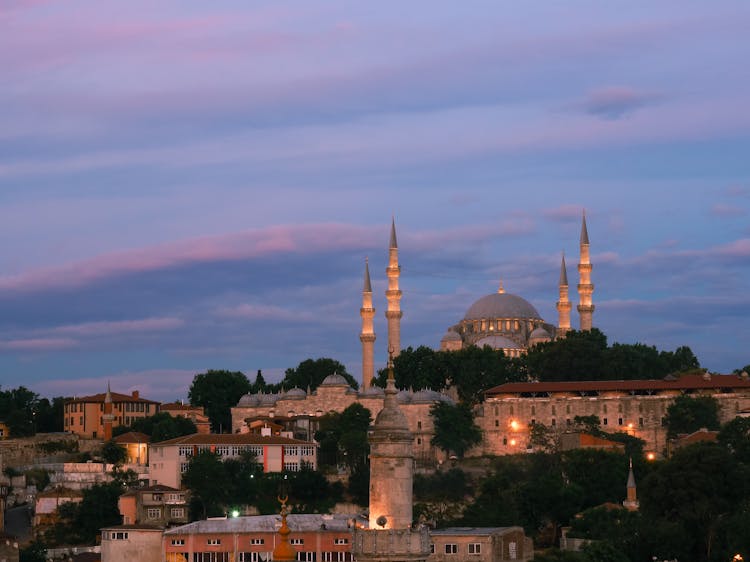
382	520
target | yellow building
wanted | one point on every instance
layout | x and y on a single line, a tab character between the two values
84	416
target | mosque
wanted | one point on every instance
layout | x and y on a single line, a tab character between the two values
511	323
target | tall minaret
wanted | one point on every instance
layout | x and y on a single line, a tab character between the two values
563	305
393	294
585	288
108	417
367	335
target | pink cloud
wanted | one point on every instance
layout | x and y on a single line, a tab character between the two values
38	344
724	210
265	312
89	329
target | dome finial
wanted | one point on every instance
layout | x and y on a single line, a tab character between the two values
500	288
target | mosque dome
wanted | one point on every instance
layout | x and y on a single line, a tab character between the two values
451	335
248	400
540	334
268	399
427	396
372	392
501	305
295	393
334	380
404	397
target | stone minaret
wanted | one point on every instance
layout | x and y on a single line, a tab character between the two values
367	335
563	305
393	294
631	503
585	288
390	537
108	417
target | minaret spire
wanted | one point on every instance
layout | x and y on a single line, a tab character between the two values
563	305
631	502
585	287
367	335
393	294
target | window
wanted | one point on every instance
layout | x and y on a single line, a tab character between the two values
223	450
291	450
619	421
257	541
183	467
341	541
178	542
118	536
567	409
174	498
604	408
211	557
419	440
497	423
291	466
505	440
177	512
297	541
604	421
337	557
235	451
512	550
451	548
307	450
432	548
153	513
554	422
640	422
306	556
185	451
255	556
511	410
475	548
213	542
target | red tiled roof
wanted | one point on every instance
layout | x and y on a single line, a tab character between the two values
685	382
132	437
178	406
116	397
231	439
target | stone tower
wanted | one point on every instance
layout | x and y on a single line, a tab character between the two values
631	503
390	537
108	417
563	305
393	294
585	288
367	335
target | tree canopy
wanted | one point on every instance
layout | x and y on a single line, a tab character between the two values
455	430
218	392
160	427
26	413
688	414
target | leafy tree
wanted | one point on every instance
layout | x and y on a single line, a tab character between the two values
343	437
218	392
418	368
49	415
160	427
311	372
39	477
601	475
735	435
206	477
699	487
113	453
455	430
577	356
80	522
687	414
602	551
452	485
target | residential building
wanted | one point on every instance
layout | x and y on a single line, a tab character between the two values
480	544
636	407
157	505
85	415
132	542
135	444
169	459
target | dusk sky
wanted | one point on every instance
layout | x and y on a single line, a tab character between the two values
193	185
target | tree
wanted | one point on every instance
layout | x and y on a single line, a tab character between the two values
343	437
735	435
687	414
311	372
80	523
577	356
418	368
162	426
455	430
218	392
206	477
113	453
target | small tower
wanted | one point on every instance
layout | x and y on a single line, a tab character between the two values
585	288
393	295
631	503
108	417
563	305
390	537
367	335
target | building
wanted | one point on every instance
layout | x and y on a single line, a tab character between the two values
637	407
135	444
509	322
196	414
85	416
158	505
480	544
297	411
132	542
576	440
47	502
169	459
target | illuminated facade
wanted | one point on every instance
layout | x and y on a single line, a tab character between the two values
85	416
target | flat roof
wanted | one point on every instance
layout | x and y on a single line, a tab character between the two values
231	439
297	522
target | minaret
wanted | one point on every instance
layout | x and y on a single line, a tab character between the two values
585	288
367	335
283	551
108	417
631	503
563	305
393	294
390	537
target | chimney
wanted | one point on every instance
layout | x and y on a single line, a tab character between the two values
136	394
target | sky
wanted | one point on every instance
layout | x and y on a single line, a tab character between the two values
194	185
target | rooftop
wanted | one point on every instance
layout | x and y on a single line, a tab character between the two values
298	522
116	397
472	531
231	439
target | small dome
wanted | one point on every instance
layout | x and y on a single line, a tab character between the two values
248	401
268	399
372	392
295	394
334	380
540	333
404	397
426	396
498	342
501	305
451	335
